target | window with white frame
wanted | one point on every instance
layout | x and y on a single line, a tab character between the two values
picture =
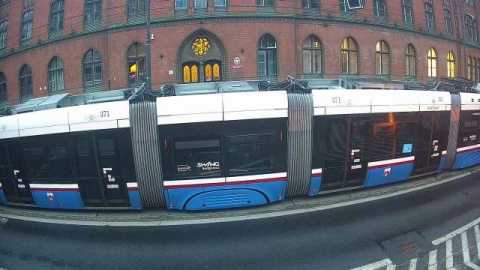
407	11
312	55
55	75
410	60
380	8
432	63
429	16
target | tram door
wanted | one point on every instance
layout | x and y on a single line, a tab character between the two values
428	144
15	185
345	160
100	173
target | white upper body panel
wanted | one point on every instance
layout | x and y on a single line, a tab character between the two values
43	122
189	109
255	105
9	127
470	101
99	116
331	102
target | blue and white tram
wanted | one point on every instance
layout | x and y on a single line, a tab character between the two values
69	158
226	150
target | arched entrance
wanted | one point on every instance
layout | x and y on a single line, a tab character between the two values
202	58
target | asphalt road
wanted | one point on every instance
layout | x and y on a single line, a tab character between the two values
339	238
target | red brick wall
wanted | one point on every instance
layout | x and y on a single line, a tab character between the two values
236	34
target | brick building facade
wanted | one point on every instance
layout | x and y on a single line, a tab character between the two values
49	47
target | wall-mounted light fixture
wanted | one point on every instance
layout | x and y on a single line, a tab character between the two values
242	50
161	56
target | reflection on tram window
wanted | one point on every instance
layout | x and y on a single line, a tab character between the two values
59	162
250	154
198	159
37	163
383	141
405	135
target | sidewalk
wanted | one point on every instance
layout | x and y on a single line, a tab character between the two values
163	217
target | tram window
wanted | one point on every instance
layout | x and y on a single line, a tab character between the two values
4	168
198	159
85	161
126	152
336	143
405	137
468	134
106	147
383	141
250	154
37	162
59	162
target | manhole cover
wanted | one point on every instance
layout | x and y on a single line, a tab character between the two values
405	247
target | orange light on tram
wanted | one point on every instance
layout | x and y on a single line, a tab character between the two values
391	119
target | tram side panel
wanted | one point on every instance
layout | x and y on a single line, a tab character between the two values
77	157
222	150
468	143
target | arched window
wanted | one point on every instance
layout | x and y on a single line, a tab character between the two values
27	25
267	56
3	88
190	72
56	16
212	71
349	56
429	16
55	75
450	65
312	55
136	64
382	58
432	63
410	60
92	68
3	34
26	87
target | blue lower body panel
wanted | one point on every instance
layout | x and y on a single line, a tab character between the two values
220	197
379	176
467	159
3	199
315	184
442	164
135	201
58	199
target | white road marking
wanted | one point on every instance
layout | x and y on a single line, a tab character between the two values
432	260
456	232
413	264
391	267
374	265
477	238
449	256
466	253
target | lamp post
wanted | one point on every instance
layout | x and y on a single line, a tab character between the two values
147	51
